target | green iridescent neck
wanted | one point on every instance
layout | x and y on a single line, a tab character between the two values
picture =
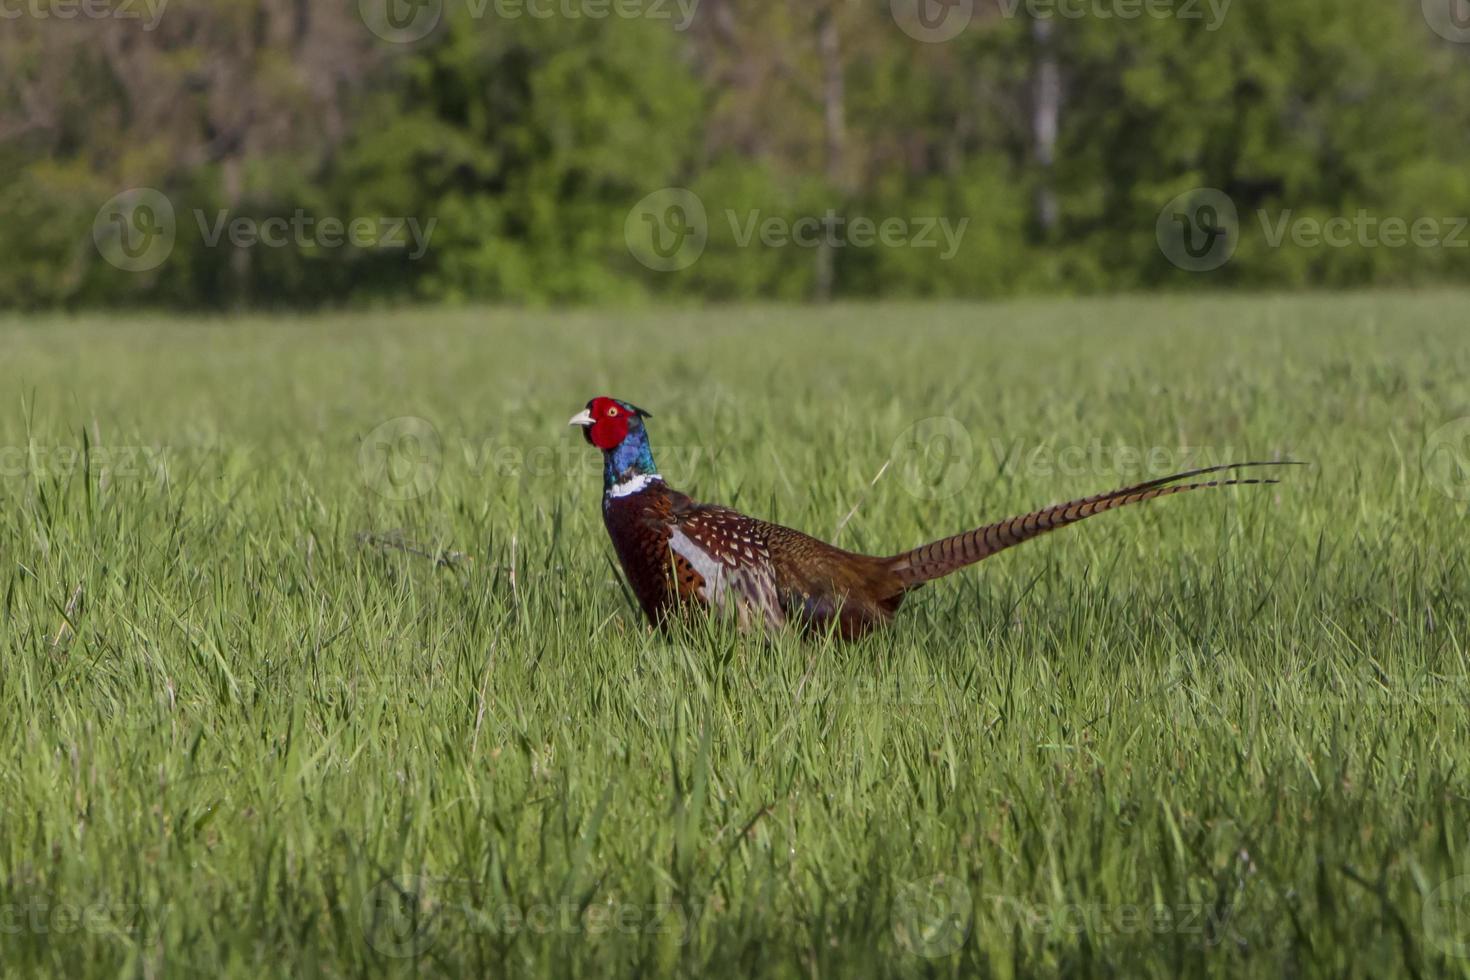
631	458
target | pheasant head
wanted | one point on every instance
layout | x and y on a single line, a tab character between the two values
616	427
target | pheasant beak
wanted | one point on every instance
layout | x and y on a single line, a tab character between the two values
582	418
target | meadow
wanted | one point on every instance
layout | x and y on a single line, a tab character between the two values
315	660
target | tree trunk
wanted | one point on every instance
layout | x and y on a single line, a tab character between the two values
834	122
1046	98
232	168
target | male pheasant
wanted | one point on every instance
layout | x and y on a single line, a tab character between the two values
678	553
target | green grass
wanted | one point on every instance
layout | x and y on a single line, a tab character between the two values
1223	734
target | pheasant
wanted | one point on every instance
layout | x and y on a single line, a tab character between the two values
677	553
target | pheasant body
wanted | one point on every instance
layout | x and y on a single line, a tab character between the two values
679	554
676	552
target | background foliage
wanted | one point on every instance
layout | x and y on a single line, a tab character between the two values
528	140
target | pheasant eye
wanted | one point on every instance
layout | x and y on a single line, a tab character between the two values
612	411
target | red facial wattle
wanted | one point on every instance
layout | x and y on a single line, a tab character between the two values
609	423
608	432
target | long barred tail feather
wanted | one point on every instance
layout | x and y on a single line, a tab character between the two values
939	558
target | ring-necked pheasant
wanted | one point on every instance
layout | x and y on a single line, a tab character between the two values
675	551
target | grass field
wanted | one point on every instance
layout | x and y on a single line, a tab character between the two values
1223	734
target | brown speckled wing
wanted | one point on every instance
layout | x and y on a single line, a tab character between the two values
728	563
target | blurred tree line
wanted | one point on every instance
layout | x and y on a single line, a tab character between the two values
528	139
